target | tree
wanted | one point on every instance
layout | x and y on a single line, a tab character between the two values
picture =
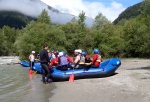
109	41
100	20
81	20
145	10
38	33
136	35
2	43
9	36
74	20
44	17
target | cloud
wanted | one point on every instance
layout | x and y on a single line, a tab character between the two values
28	7
111	11
34	7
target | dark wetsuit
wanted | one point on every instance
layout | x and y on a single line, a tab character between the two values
44	59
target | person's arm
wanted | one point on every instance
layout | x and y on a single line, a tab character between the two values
47	57
29	57
70	60
77	59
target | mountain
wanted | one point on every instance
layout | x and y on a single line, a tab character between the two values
130	12
14	19
18	13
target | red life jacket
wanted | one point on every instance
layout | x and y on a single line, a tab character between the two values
69	59
96	60
54	61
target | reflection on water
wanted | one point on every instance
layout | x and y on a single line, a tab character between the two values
17	86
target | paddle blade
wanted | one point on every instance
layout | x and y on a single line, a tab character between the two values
71	79
34	72
30	71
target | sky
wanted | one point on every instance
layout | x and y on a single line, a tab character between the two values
125	3
109	8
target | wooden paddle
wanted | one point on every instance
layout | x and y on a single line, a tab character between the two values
34	72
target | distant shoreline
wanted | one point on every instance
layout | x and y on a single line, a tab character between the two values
9	60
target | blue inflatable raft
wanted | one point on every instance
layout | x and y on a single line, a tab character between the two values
107	68
24	63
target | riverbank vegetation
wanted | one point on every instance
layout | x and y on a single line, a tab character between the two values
128	38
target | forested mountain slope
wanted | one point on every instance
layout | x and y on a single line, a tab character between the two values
14	19
130	12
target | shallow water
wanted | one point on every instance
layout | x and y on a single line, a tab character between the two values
16	85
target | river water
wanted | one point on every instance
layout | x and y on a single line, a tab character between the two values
16	85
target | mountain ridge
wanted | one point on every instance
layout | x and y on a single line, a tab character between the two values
128	13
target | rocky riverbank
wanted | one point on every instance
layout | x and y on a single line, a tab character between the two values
9	60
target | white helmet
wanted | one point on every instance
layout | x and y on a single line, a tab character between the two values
76	50
79	50
33	51
60	53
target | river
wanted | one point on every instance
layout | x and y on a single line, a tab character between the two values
16	85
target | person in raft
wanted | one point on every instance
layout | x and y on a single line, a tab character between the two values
75	54
44	59
82	60
32	58
54	62
62	61
96	59
85	60
70	61
77	59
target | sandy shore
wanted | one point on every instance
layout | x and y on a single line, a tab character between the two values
130	84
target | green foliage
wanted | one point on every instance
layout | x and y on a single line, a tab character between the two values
130	12
109	41
35	35
137	39
81	20
100	21
2	43
8	37
44	18
145	12
74	20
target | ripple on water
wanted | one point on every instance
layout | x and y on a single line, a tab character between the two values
13	82
17	86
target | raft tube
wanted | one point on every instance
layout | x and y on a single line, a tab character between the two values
107	68
36	67
24	63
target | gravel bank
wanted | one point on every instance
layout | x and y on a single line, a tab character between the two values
9	60
131	83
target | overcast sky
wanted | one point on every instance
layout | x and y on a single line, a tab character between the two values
109	8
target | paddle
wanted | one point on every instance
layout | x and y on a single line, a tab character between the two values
34	72
71	78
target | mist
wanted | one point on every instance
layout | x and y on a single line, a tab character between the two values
34	8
